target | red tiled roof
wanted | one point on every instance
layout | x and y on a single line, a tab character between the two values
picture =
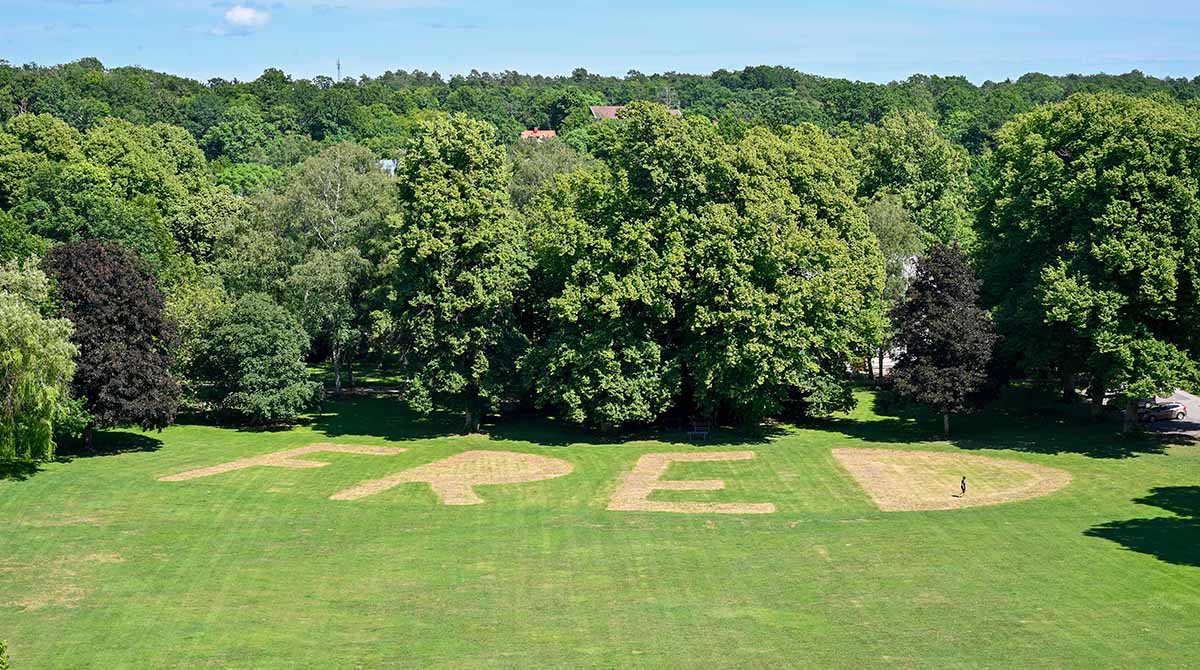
601	112
606	111
537	134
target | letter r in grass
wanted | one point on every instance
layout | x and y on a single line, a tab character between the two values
453	479
633	493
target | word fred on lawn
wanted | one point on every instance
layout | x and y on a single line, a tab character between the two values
453	479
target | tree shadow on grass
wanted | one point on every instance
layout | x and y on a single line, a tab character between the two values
216	418
104	443
107	443
549	431
390	418
1177	438
1172	539
18	471
387	417
1015	422
1059	435
1022	425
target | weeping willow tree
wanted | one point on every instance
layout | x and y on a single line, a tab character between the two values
37	361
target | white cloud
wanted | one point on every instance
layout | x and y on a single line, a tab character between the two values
246	17
242	20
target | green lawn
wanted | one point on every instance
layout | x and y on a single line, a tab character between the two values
103	566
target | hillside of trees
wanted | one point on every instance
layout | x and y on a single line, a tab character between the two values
168	244
380	112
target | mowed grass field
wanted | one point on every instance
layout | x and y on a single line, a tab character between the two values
103	566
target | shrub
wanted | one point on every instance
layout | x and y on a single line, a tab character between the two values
252	362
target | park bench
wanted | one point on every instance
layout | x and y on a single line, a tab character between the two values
699	428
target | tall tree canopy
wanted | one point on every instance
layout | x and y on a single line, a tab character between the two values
536	163
252	361
906	156
240	136
147	187
455	259
728	277
945	338
718	262
125	341
900	242
377	111
37	362
1091	247
332	209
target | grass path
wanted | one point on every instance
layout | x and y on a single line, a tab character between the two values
102	566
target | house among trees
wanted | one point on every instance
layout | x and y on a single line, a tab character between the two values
602	112
538	134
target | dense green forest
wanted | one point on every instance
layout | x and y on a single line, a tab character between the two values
168	243
380	112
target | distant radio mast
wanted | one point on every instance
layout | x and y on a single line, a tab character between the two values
339	61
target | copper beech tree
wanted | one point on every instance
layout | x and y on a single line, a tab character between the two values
125	341
946	339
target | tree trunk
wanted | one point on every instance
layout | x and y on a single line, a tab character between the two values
1130	422
870	368
88	434
1097	393
1068	386
472	415
882	353
350	371
337	369
946	423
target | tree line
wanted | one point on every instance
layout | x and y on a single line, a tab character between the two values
665	266
272	118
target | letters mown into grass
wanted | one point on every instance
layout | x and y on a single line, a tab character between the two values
574	554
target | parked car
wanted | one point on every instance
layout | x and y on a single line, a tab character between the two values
1163	411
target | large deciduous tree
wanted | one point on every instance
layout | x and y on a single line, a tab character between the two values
322	291
146	187
685	270
37	362
945	338
1091	245
306	244
125	341
333	206
456	257
535	163
241	135
900	242
16	241
333	200
905	155
252	361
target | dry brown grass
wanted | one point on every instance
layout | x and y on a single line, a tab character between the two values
56	583
56	520
633	493
453	478
907	481
283	459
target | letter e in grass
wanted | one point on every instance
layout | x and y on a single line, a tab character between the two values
633	493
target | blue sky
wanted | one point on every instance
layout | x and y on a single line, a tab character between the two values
872	40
